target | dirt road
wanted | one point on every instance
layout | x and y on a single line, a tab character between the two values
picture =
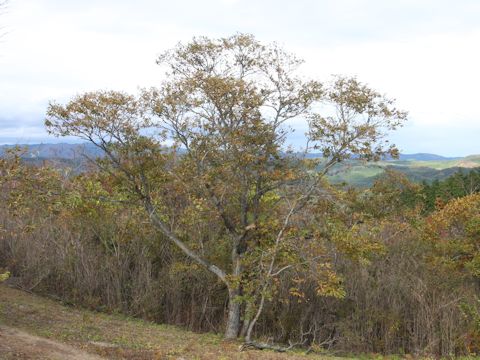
16	344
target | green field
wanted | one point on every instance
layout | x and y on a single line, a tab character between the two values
364	174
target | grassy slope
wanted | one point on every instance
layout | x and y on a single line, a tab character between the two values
118	337
360	174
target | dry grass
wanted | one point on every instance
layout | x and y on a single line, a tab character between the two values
118	337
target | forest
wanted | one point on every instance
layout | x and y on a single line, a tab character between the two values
201	214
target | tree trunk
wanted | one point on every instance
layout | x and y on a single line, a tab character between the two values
233	321
234	307
247	318
248	336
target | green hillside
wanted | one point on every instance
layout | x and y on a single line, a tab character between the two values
364	174
418	167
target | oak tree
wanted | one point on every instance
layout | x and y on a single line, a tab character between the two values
211	143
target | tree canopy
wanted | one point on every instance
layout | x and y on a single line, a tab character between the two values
210	144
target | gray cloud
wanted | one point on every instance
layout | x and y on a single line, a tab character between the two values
424	53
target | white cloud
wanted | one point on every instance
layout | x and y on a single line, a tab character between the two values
434	77
424	53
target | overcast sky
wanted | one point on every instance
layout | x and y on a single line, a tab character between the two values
424	53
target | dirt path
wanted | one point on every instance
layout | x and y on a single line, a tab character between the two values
16	344
115	336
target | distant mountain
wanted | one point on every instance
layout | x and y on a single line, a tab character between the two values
402	157
364	174
417	167
55	151
424	157
427	174
71	151
474	158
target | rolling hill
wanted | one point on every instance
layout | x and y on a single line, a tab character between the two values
418	167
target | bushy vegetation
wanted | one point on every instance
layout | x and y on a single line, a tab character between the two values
406	282
460	184
197	216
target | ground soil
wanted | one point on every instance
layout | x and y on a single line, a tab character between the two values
36	327
16	344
